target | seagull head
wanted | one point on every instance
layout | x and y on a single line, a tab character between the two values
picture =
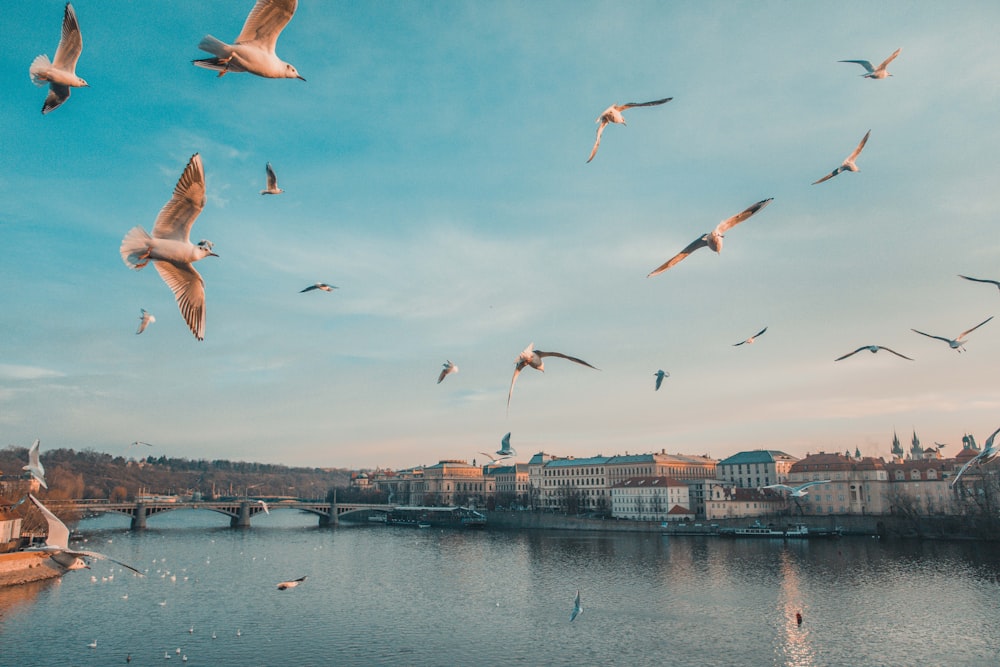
292	73
206	248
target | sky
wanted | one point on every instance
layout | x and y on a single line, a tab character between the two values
434	168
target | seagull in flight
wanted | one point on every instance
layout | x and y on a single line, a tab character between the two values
35	466
751	339
505	448
988	454
272	182
285	585
873	349
875	72
60	73
145	319
493	460
712	239
57	544
448	369
982	280
958	342
322	286
140	442
577	608
796	491
264	505
848	163
613	114
253	50
660	374
171	249
532	357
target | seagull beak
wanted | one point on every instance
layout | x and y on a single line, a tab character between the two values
213	254
301	77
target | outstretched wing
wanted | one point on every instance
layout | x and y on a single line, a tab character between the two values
981	280
864	63
885	63
829	176
857	151
863	347
189	289
99	556
882	347
564	356
784	487
70	44
58	534
947	340
178	215
691	247
266	21
729	223
272	178
964	333
597	142
630	105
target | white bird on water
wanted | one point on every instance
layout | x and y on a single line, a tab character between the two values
35	466
796	491
145	319
272	182
613	114
751	339
171	249
712	239
988	454
448	369
848	163
875	72
60	73
319	286
660	374
93	644
873	349
253	50
577	608
532	357
958	342
285	585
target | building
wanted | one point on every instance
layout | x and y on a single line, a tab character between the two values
921	486
512	485
857	486
454	482
535	477
575	485
756	468
678	466
651	499
726	501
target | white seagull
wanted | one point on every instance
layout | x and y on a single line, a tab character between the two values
873	349
958	342
322	286
848	163
448	369
660	374
92	644
35	466
171	249
253	50
60	73
875	72
284	585
505	448
751	339
140	442
272	182
145	319
264	505
57	544
532	357
988	454
982	280
613	114
796	491
493	460
577	608
712	239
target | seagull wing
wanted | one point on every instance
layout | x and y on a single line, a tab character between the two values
863	347
100	556
947	340
779	486
729	223
517	371
266	21
864	63
981	280
564	356
58	94
448	368
829	176
577	608
178	215
812	483
857	151
965	467
964	333
58	534
70	44
654	103
885	63
309	289
882	347
189	289
659	380
760	333
272	178
597	142
691	247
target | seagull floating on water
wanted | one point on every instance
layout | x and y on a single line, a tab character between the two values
875	72
988	454
272	182
660	374
532	357
982	280
145	319
958	342
93	644
577	608
712	239
848	163
171	249
289	584
60	73
320	286
797	491
253	50
751	339
448	369
35	466
873	349
613	114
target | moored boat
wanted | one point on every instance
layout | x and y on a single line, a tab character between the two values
790	531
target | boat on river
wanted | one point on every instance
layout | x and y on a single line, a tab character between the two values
438	517
790	531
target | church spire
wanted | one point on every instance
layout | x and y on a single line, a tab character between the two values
916	451
897	449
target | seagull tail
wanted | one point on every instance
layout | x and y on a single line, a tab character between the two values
135	248
216	47
37	69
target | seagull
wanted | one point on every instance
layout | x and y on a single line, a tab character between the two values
505	448
61	72
848	163
288	584
448	369
145	319
958	342
712	239
613	114
751	339
988	454
797	491
981	280
873	349
493	460
272	183
659	378
322	286
140	442
57	544
266	511
577	608
253	50
35	466
532	357
875	72
93	644
171	249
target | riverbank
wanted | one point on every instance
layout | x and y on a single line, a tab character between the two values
22	567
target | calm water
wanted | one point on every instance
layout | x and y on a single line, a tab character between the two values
406	596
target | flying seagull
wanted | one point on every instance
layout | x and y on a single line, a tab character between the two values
988	454
264	505
505	449
448	369
35	466
712	239
57	544
145	319
532	357
322	286
982	280
613	114
285	585
272	182
171	249
751	339
577	608
253	50
60	73
660	374
873	349
958	342
875	72
140	442
493	460
848	163
797	491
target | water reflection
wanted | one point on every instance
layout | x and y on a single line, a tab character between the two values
794	649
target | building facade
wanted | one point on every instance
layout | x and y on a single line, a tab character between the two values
857	485
756	468
650	499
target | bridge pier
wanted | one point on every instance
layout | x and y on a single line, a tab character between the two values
139	517
241	520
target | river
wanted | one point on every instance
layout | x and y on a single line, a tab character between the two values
378	595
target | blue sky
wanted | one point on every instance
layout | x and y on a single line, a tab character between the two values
434	169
